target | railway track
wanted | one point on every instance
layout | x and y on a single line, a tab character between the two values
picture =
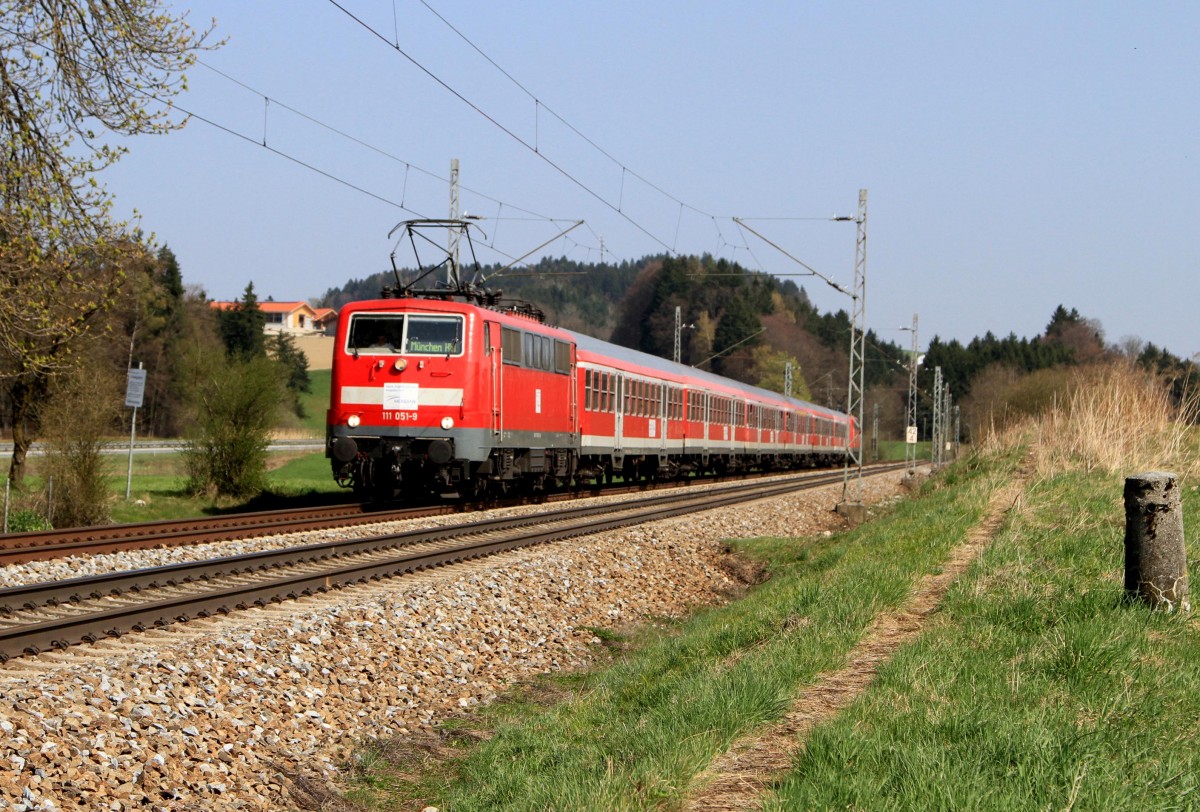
57	615
18	548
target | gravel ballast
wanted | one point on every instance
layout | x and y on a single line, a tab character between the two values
246	711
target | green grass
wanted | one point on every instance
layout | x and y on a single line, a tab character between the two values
893	451
1036	688
160	481
634	735
316	402
158	489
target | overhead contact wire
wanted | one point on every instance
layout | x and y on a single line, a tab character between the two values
561	170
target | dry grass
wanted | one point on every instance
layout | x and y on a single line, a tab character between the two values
1117	418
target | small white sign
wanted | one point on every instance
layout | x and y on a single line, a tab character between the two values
910	435
653	428
537	401
401	397
135	387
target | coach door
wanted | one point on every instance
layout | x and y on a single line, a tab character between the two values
660	410
494	364
619	415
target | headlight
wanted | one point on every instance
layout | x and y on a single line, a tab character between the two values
353	420
447	423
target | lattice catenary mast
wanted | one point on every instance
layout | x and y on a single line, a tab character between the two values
858	339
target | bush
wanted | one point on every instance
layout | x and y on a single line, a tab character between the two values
26	521
83	409
236	403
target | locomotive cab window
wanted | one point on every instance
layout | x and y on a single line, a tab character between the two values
433	335
396	334
376	333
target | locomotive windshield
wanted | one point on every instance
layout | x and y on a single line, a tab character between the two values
399	334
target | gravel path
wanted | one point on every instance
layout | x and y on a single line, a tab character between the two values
247	712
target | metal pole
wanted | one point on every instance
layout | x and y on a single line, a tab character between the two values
50	500
858	339
946	429
875	433
957	430
129	473
678	328
910	417
7	490
132	430
453	234
937	417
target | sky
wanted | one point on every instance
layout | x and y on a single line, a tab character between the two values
1016	155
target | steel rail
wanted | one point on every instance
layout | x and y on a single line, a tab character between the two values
516	532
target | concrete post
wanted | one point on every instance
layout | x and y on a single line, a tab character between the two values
1155	559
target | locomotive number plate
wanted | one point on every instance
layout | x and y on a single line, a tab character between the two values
402	417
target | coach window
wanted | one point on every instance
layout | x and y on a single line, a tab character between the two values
510	345
562	357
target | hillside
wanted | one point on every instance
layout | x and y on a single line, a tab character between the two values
738	323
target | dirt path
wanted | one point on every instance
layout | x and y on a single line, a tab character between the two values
737	779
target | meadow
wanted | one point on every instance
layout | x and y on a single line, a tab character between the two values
1034	685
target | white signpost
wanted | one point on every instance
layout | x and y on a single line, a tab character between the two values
135	393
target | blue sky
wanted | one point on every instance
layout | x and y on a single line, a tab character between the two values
1017	155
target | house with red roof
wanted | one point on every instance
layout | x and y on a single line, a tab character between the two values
291	317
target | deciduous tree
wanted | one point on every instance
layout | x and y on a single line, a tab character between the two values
70	71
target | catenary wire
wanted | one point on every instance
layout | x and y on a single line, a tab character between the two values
531	147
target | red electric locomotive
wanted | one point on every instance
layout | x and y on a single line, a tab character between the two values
448	391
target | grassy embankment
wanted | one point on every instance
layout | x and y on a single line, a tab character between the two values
1035	685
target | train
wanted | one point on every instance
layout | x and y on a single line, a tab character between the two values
454	392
